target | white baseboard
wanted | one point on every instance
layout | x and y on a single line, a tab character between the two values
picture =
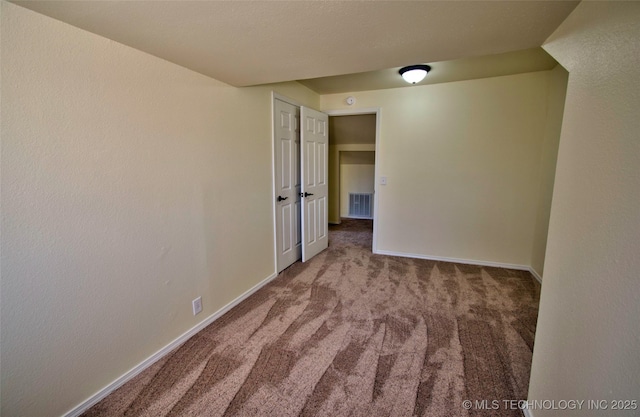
535	274
456	260
464	261
95	398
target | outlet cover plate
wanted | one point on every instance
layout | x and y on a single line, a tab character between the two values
197	305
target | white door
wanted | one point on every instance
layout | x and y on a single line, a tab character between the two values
287	174
315	150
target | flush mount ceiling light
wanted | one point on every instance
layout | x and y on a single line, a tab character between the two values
414	73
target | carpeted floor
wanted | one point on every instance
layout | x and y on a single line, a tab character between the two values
353	334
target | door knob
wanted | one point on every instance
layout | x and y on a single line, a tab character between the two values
305	194
281	198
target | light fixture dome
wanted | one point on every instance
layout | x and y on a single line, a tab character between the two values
414	73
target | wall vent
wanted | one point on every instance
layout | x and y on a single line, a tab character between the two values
361	205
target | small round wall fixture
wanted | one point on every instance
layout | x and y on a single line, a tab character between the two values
351	100
414	73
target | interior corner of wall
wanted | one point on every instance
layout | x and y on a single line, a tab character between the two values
536	274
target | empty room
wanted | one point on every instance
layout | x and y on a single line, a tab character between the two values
250	208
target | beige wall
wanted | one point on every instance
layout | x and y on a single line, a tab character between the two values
354	178
587	340
555	106
463	166
130	186
353	129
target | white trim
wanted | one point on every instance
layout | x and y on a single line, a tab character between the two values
377	111
274	96
535	274
376	176
286	99
95	398
455	260
353	112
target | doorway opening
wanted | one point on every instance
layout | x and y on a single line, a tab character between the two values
357	184
353	167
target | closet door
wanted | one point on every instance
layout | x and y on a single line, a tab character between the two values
314	159
287	187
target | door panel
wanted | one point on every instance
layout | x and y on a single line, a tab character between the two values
297	226
287	240
322	163
311	222
310	157
323	221
287	167
315	145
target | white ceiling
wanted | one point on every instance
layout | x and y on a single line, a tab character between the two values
247	43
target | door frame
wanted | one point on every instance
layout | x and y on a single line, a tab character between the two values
376	170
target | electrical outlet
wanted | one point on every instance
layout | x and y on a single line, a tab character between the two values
197	305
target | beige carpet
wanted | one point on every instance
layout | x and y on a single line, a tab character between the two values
352	334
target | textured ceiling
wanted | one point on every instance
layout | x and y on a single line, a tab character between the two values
257	42
518	62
